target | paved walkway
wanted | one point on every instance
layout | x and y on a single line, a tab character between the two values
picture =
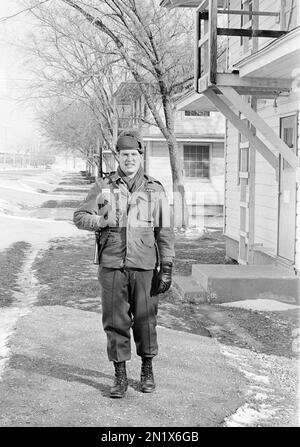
59	375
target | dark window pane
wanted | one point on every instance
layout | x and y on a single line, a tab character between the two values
288	136
196	160
196	113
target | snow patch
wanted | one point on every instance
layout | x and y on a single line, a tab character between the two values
255	377
35	219
263	305
266	392
20	189
34	231
29	192
21	306
261	396
247	416
37	232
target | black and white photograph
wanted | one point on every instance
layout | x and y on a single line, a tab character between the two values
149	216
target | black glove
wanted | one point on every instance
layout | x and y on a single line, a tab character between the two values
164	278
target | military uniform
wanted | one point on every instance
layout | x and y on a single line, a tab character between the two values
135	236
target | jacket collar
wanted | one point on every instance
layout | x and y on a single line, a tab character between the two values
115	176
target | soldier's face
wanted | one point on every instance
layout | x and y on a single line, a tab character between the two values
130	160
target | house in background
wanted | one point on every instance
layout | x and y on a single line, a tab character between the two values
259	96
200	138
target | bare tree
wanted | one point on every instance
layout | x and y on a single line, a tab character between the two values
70	127
73	128
70	61
151	43
156	48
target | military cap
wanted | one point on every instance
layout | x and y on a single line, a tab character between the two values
130	139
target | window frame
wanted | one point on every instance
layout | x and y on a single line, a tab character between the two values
293	117
196	178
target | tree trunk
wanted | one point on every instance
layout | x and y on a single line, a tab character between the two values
87	162
100	166
180	211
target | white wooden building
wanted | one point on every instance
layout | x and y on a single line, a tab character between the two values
259	95
200	140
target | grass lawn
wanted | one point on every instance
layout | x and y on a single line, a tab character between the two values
68	275
11	262
208	248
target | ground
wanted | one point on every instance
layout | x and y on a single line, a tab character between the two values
57	274
68	277
11	261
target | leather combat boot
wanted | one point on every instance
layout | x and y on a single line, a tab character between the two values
120	385
147	378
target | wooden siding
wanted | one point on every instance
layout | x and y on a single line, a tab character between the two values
266	196
232	191
192	125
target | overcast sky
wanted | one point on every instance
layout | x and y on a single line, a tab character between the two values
17	126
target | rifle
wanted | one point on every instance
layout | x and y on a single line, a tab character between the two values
97	247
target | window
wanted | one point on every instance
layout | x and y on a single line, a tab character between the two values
196	113
124	116
196	161
288	14
288	132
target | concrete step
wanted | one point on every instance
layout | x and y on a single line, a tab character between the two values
226	283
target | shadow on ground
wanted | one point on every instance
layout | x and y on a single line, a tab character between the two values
66	372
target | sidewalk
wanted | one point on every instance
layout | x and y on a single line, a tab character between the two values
59	375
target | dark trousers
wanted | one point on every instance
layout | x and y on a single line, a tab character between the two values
126	304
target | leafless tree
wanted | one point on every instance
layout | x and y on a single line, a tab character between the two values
156	48
70	63
153	44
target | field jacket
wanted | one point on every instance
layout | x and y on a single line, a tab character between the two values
135	227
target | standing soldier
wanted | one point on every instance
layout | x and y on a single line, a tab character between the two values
131	212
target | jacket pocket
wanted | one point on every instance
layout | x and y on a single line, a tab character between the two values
148	240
